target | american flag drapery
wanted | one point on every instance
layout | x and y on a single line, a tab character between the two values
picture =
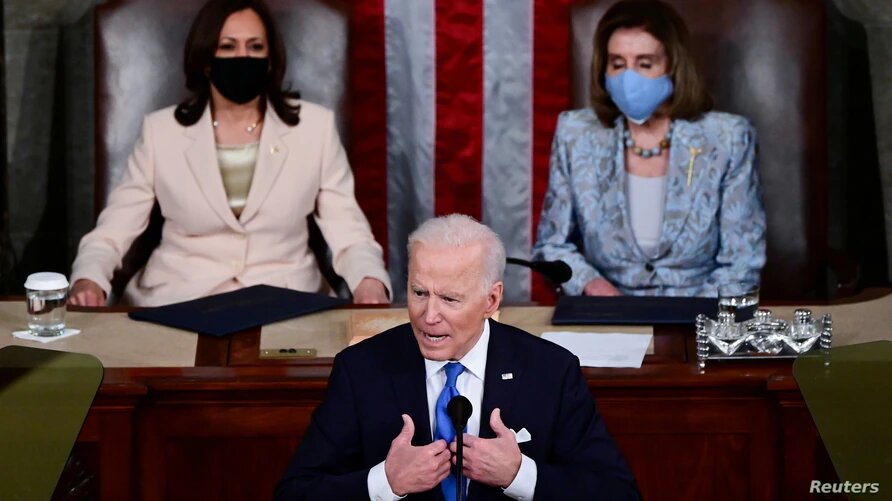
453	106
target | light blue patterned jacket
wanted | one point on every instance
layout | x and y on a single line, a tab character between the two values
713	231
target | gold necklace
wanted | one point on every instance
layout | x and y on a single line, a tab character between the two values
249	129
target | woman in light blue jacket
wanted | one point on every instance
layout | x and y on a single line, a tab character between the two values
650	192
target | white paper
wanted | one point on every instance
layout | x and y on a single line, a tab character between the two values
603	349
31	337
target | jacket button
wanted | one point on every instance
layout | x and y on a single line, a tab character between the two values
649	267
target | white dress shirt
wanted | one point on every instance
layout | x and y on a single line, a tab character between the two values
469	384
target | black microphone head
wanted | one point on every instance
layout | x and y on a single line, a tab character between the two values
557	271
459	410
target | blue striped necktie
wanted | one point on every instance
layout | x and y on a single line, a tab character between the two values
444	424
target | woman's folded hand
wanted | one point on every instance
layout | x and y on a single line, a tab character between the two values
86	292
600	287
370	291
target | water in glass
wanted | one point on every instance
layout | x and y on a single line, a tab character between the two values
741	307
46	312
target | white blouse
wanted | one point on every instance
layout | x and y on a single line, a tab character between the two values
646	201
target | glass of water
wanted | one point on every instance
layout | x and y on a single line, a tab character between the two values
740	299
45	295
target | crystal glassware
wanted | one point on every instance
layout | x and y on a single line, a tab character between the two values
726	335
804	332
740	299
766	333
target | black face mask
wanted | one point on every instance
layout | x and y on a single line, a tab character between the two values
240	79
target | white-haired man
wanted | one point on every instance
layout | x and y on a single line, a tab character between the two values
382	431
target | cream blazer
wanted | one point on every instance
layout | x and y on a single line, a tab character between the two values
205	249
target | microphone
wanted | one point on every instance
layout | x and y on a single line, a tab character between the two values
459	410
556	271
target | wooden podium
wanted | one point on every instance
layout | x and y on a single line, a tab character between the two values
180	416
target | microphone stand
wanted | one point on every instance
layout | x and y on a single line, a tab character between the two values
459	454
534	266
459	410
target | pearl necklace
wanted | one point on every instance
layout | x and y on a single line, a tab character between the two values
648	152
249	129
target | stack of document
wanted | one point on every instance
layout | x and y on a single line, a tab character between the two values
603	349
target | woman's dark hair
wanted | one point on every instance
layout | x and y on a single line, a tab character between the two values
690	98
201	45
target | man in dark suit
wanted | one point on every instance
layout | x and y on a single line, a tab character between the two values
382	433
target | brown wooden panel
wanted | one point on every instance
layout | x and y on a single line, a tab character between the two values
105	443
691	466
225	468
212	351
804	457
220	450
695	447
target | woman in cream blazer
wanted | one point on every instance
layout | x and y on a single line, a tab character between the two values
300	169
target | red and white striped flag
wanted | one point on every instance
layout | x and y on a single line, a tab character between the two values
454	104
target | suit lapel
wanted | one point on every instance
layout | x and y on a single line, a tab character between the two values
687	156
410	385
623	225
504	368
201	156
271	156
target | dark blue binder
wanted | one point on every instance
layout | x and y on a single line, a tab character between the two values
223	314
631	310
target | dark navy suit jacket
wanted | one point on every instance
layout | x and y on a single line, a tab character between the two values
377	380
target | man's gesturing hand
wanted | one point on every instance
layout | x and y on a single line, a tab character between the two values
493	461
412	469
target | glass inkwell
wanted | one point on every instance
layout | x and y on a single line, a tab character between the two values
762	336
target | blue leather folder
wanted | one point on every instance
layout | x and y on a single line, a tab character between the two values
631	310
223	314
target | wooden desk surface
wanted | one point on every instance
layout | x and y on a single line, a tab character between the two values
111	337
120	342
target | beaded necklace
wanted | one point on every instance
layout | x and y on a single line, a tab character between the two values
648	152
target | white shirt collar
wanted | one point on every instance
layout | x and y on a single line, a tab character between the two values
474	360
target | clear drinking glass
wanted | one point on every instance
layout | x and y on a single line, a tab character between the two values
45	296
740	299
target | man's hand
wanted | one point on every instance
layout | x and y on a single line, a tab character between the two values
411	469
86	293
370	291
493	461
600	287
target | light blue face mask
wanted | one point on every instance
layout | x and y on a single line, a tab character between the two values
638	96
